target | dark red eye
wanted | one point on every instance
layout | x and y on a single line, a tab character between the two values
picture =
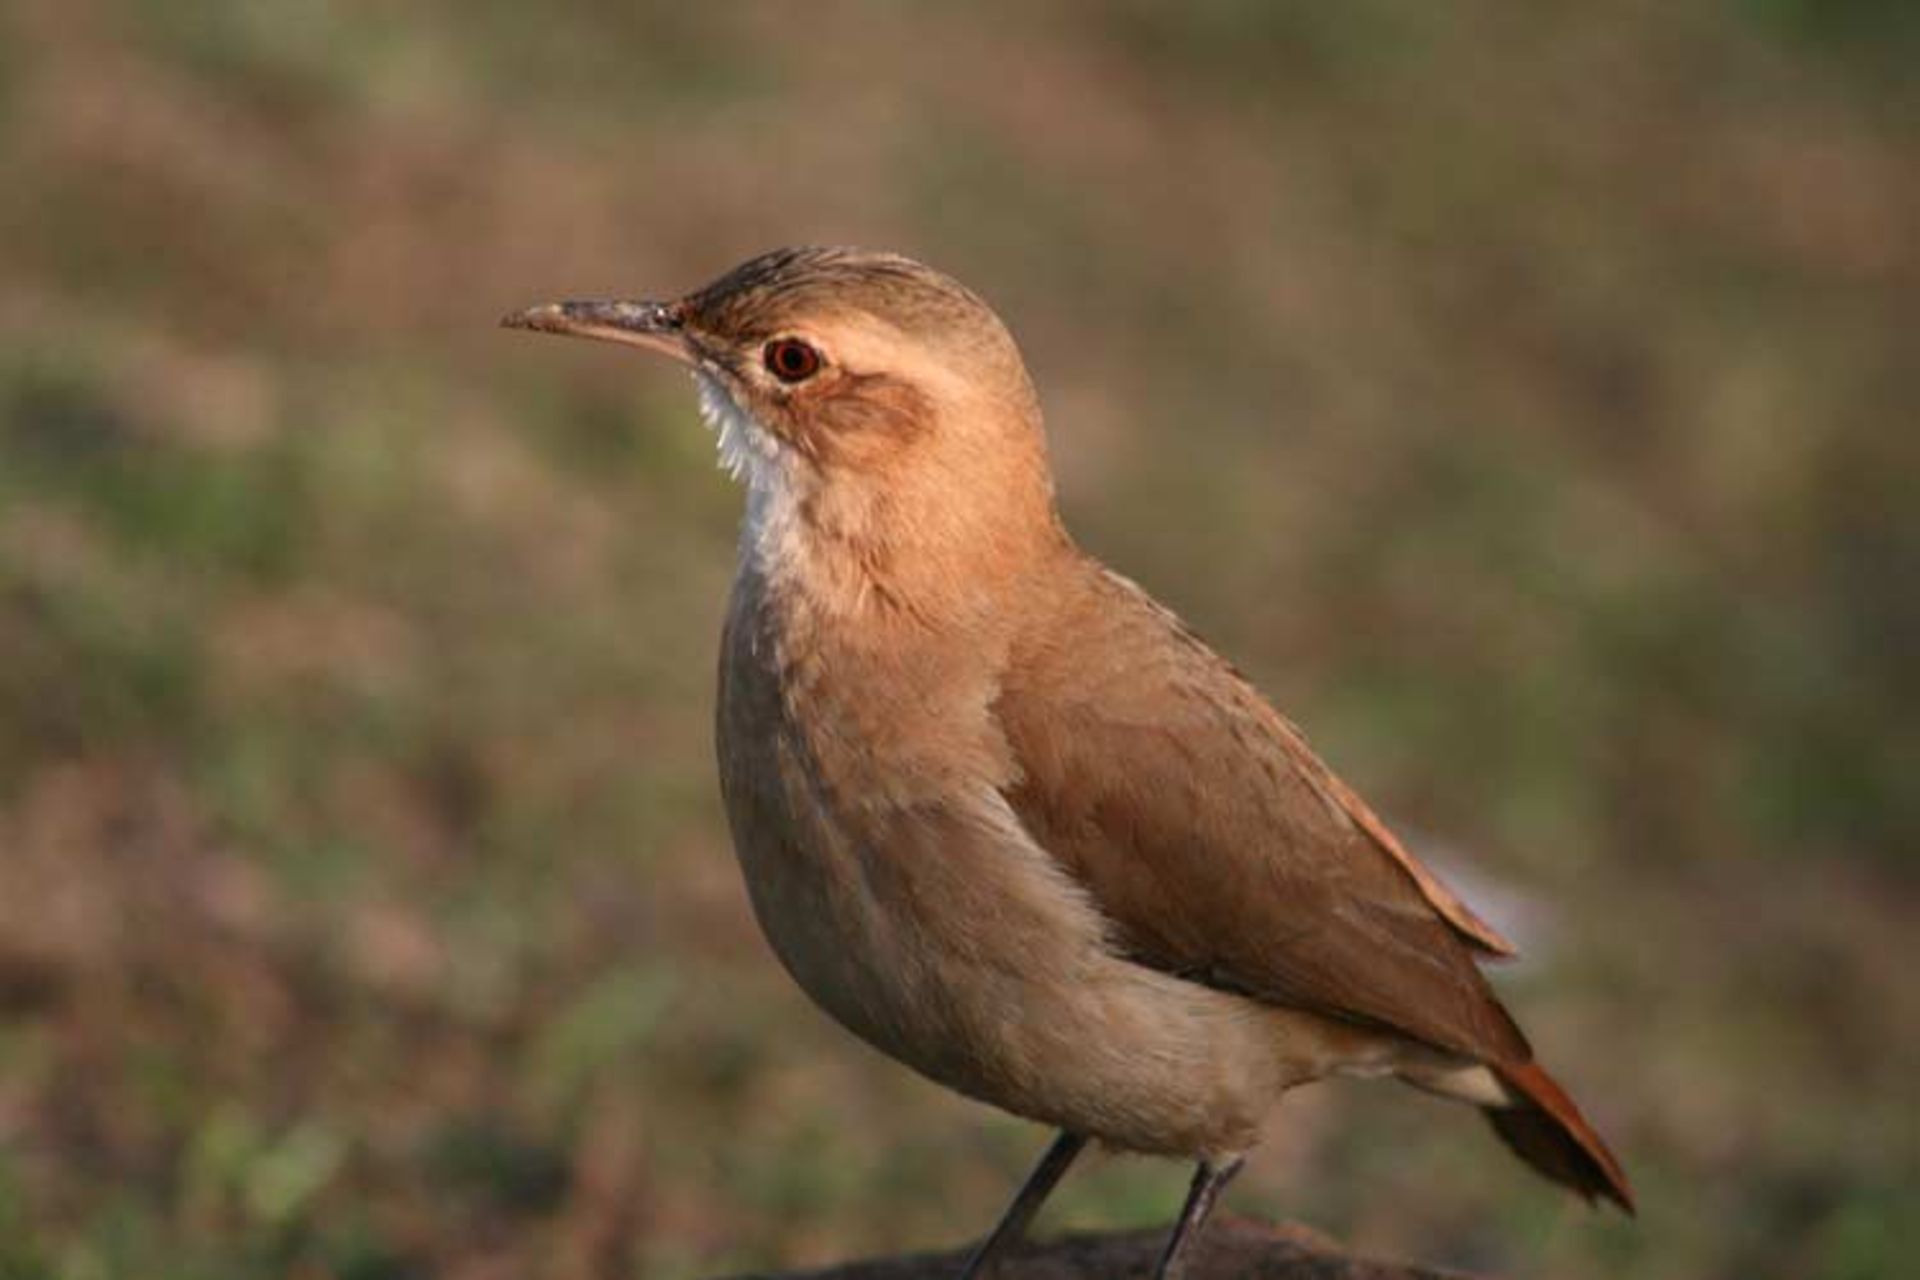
791	360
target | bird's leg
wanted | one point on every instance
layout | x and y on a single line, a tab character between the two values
1208	1181
1032	1194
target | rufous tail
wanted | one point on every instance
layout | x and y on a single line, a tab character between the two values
1545	1129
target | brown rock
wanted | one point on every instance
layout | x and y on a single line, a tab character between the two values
1231	1249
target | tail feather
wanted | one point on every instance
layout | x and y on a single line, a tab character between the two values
1544	1128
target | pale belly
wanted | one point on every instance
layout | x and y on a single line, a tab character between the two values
943	938
906	898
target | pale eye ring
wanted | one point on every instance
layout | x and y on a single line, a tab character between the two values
791	360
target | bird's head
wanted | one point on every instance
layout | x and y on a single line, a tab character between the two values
836	369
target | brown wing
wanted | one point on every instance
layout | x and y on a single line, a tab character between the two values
1218	845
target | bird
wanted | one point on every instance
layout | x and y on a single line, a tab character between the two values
1005	817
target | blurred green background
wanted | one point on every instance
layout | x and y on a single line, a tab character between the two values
1523	394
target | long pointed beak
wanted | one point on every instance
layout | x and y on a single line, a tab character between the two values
655	326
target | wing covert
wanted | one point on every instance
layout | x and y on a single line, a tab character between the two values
1220	848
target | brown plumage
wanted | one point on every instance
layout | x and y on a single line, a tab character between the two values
1002	815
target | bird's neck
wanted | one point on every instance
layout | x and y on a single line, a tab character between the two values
886	620
946	552
939	536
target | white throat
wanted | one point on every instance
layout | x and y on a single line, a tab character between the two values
748	451
769	533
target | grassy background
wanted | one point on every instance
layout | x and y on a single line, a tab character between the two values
1525	394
